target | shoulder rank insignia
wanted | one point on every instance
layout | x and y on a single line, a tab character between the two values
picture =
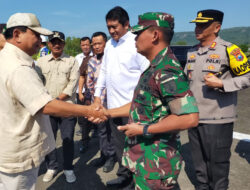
212	45
237	60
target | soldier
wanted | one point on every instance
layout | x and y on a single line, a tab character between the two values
216	70
162	105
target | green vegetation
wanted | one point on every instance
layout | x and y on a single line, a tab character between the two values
72	46
236	35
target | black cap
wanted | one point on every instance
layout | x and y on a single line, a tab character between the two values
58	35
209	15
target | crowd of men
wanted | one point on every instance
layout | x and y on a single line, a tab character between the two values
131	89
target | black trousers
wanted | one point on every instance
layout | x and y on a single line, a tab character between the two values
210	148
119	142
67	127
84	124
105	139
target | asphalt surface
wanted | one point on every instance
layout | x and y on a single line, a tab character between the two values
91	178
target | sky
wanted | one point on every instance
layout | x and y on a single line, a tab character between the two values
78	18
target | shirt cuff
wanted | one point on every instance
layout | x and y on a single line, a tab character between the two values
184	105
39	103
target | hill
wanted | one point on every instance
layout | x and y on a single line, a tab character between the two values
237	35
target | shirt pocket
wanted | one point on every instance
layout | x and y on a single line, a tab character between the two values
211	68
190	71
64	72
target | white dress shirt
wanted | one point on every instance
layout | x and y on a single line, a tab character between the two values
120	70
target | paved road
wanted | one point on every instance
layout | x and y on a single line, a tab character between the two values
90	178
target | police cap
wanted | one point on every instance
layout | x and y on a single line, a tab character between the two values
209	15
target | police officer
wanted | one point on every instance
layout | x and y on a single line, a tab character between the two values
216	70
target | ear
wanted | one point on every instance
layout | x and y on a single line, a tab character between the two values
17	35
50	45
155	36
217	28
126	25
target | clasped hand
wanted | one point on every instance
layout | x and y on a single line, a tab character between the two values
98	113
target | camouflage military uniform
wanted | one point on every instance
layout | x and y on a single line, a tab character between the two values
162	90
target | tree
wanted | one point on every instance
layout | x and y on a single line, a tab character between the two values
182	43
72	46
244	47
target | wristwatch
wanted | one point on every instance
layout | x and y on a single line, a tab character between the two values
146	133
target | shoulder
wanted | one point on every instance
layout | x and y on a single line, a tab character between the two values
79	55
44	59
223	42
238	61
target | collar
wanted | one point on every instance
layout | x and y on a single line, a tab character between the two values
123	38
213	46
51	58
159	57
20	54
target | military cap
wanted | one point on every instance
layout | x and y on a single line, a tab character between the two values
153	19
209	15
58	35
29	20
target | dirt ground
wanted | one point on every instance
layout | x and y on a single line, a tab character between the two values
90	178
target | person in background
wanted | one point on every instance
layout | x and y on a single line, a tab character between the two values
107	158
60	73
216	70
43	47
119	74
2	38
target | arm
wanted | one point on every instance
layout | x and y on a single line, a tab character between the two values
101	81
80	87
64	109
73	78
170	123
122	111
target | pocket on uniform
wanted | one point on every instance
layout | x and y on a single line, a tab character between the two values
190	69
162	164
211	68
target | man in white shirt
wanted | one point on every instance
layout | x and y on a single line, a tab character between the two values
119	74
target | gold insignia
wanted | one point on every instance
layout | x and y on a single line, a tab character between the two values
214	56
211	67
56	35
213	45
192	56
199	14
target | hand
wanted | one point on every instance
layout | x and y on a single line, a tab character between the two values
213	81
96	116
132	129
81	97
99	114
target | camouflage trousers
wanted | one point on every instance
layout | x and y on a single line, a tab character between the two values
141	183
169	181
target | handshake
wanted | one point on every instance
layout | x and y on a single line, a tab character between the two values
96	113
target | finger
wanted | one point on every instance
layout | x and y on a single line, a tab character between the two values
122	128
